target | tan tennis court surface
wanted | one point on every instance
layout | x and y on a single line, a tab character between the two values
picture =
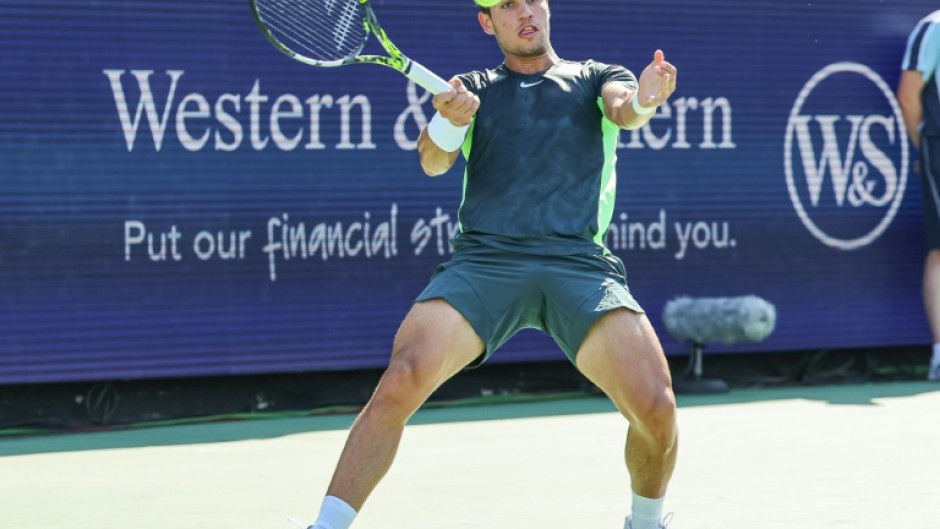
861	456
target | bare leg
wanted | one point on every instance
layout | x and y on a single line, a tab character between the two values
434	343
622	355
932	292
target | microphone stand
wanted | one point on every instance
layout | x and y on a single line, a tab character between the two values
696	384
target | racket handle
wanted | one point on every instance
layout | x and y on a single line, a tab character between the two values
427	79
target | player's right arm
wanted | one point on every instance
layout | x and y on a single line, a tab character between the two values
439	143
631	109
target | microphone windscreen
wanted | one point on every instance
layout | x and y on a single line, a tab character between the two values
719	320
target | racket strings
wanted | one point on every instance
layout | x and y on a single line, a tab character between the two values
324	30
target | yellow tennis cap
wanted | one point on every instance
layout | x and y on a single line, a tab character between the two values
487	3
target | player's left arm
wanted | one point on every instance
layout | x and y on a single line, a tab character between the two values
631	109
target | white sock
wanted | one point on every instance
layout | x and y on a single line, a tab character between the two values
647	512
936	355
334	514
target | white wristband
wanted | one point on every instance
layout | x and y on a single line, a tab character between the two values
639	109
446	135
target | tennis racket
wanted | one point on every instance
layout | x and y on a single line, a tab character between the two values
334	33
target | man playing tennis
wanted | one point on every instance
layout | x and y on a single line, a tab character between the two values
539	134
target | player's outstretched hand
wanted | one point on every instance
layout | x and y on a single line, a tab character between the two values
459	105
657	82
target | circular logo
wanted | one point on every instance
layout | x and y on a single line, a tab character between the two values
846	164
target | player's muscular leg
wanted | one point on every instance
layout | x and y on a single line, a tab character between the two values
434	343
622	355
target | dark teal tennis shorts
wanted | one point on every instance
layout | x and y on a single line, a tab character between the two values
501	292
930	180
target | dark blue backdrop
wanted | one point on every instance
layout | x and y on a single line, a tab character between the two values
152	154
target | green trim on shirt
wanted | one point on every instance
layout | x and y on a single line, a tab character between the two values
608	188
465	149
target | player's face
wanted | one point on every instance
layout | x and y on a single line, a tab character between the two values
521	27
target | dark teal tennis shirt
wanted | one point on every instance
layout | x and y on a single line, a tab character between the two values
540	174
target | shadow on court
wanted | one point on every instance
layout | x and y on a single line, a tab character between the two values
268	426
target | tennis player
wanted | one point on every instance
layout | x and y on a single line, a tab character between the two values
919	98
539	134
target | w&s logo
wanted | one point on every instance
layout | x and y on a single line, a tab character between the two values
846	155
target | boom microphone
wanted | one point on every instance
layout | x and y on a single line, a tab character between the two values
708	320
725	320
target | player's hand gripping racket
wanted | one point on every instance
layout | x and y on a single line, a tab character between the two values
333	33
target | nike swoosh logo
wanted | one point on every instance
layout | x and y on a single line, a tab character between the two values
524	84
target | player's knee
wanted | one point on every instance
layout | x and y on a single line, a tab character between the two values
655	416
405	385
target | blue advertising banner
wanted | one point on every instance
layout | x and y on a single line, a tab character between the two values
178	198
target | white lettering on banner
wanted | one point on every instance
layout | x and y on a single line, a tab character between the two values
855	181
439	227
292	240
626	235
164	245
415	111
646	136
285	120
197	120
159	246
376	238
221	244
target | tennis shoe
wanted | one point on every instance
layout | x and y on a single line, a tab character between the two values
933	374
662	523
